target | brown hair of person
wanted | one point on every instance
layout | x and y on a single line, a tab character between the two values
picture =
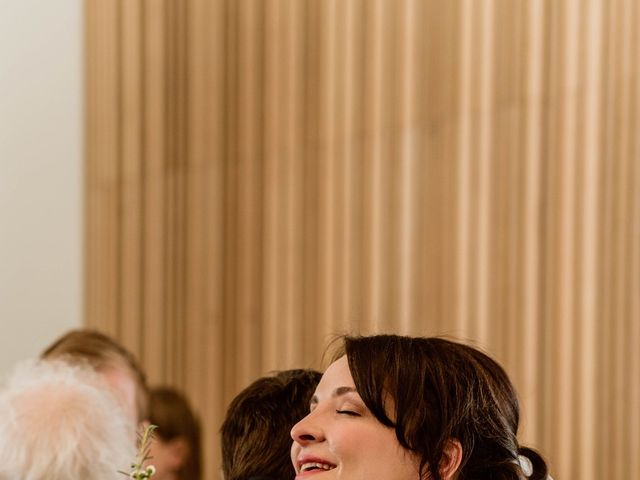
171	412
256	439
101	352
437	390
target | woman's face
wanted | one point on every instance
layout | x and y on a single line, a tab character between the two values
341	439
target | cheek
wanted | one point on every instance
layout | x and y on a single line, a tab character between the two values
400	463
158	454
375	452
349	442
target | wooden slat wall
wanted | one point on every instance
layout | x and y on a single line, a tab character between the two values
261	175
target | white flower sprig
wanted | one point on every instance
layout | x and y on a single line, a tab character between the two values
138	472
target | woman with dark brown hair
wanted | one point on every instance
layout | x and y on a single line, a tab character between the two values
402	408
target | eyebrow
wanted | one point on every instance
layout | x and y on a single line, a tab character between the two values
336	393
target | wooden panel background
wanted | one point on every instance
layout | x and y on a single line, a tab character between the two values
263	174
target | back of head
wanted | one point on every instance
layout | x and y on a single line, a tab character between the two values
102	353
170	411
59	422
441	391
255	433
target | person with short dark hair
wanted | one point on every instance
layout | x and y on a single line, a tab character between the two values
175	451
255	432
116	364
407	408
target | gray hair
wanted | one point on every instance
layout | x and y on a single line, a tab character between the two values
59	422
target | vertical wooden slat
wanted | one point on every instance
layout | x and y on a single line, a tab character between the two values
589	237
131	278
249	189
211	344
407	169
103	169
373	117
532	222
199	154
450	98
170	230
153	190
634	258
549	260
476	114
395	163
175	166
623	248
273	353
515	218
482	280
567	243
197	283
610	161
464	159
349	116
309	177
327	159
604	435
293	171
231	242
183	154
497	201
91	275
617	240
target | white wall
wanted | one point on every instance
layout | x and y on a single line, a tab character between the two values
40	174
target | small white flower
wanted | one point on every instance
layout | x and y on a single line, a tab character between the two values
137	472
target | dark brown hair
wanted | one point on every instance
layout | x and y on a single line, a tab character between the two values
101	351
170	411
255	433
442	390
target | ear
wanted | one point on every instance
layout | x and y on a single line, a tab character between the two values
451	459
177	452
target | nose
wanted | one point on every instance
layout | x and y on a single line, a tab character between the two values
307	431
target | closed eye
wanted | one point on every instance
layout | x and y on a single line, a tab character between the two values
348	412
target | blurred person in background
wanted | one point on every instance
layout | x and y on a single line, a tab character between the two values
255	433
59	422
175	450
112	361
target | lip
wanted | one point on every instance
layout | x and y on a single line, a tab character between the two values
302	459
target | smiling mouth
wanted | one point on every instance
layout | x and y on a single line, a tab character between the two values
316	467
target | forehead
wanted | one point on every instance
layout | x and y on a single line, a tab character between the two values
337	375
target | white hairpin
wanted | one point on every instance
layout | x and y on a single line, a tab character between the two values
525	465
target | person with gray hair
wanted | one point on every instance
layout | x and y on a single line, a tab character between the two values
60	422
